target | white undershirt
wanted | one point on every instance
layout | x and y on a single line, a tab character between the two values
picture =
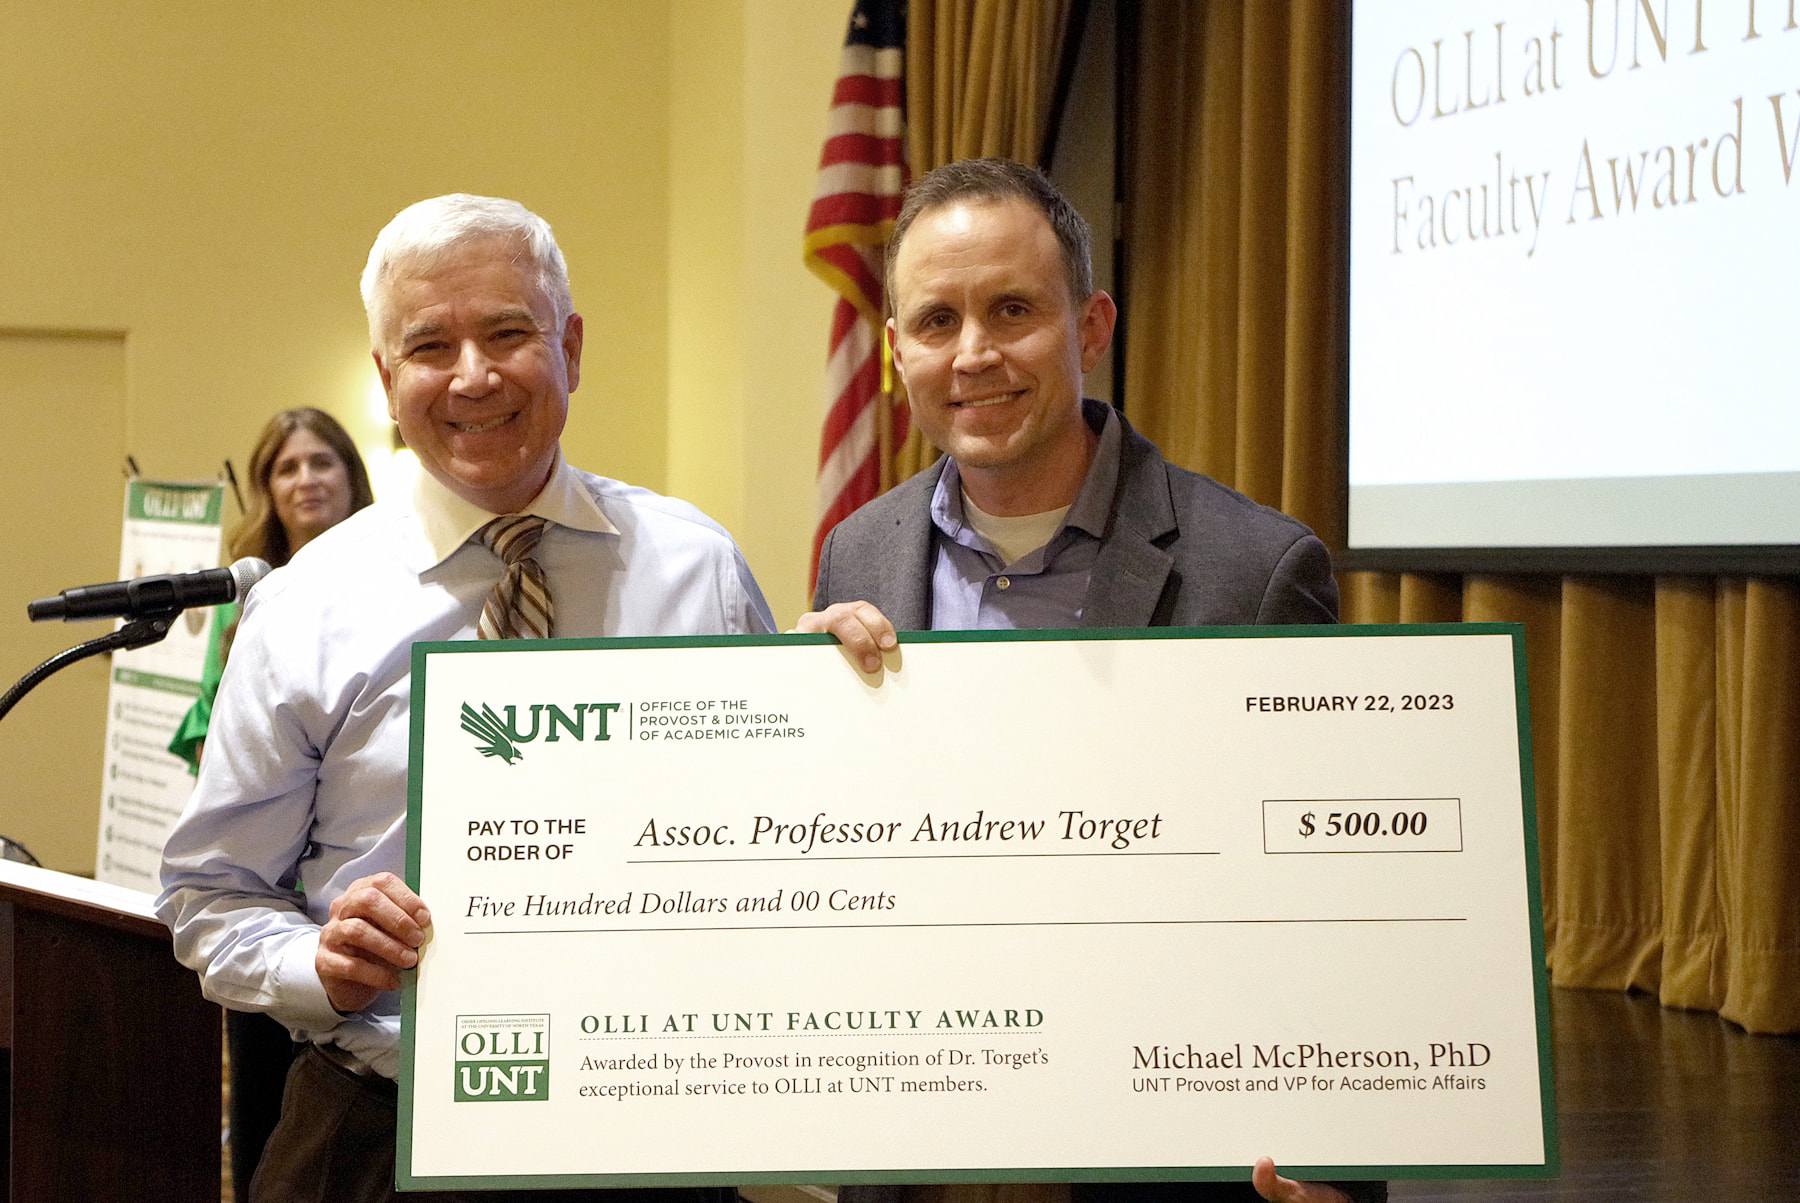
1013	538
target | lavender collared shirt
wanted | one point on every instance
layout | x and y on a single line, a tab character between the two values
971	590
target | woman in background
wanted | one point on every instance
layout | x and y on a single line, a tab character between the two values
305	477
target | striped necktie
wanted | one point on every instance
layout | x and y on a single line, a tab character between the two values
519	607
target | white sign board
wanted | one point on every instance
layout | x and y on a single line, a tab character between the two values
169	528
1030	908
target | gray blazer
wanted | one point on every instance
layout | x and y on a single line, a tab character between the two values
1180	549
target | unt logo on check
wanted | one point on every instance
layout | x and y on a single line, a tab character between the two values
496	736
502	1058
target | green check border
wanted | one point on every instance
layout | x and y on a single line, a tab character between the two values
1549	1168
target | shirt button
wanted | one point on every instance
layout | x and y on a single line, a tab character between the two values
1003	583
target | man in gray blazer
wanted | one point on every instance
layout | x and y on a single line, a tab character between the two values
1045	511
1170	548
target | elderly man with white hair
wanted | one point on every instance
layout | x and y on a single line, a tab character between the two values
282	881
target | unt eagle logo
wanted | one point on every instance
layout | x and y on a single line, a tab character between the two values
492	736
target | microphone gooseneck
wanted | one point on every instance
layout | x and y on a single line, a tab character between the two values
151	596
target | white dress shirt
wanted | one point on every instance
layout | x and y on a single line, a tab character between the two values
304	778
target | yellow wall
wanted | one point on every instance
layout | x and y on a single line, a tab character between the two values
50	745
748	326
202	182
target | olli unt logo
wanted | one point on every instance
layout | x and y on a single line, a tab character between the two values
496	736
502	1058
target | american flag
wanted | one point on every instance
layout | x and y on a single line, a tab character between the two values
862	173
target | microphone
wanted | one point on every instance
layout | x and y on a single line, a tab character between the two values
151	596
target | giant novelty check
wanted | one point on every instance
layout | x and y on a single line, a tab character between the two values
1033	907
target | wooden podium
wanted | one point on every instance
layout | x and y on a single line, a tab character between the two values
111	1052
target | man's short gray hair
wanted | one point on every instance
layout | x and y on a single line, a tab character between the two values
422	236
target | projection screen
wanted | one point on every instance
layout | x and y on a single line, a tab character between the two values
1574	285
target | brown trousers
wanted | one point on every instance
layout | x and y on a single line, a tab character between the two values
335	1144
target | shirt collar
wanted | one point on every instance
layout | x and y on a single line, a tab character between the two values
449	520
1093	505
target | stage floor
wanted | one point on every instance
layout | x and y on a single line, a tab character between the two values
1659	1104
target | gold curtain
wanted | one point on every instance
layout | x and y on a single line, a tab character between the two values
980	75
1665	712
979	78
